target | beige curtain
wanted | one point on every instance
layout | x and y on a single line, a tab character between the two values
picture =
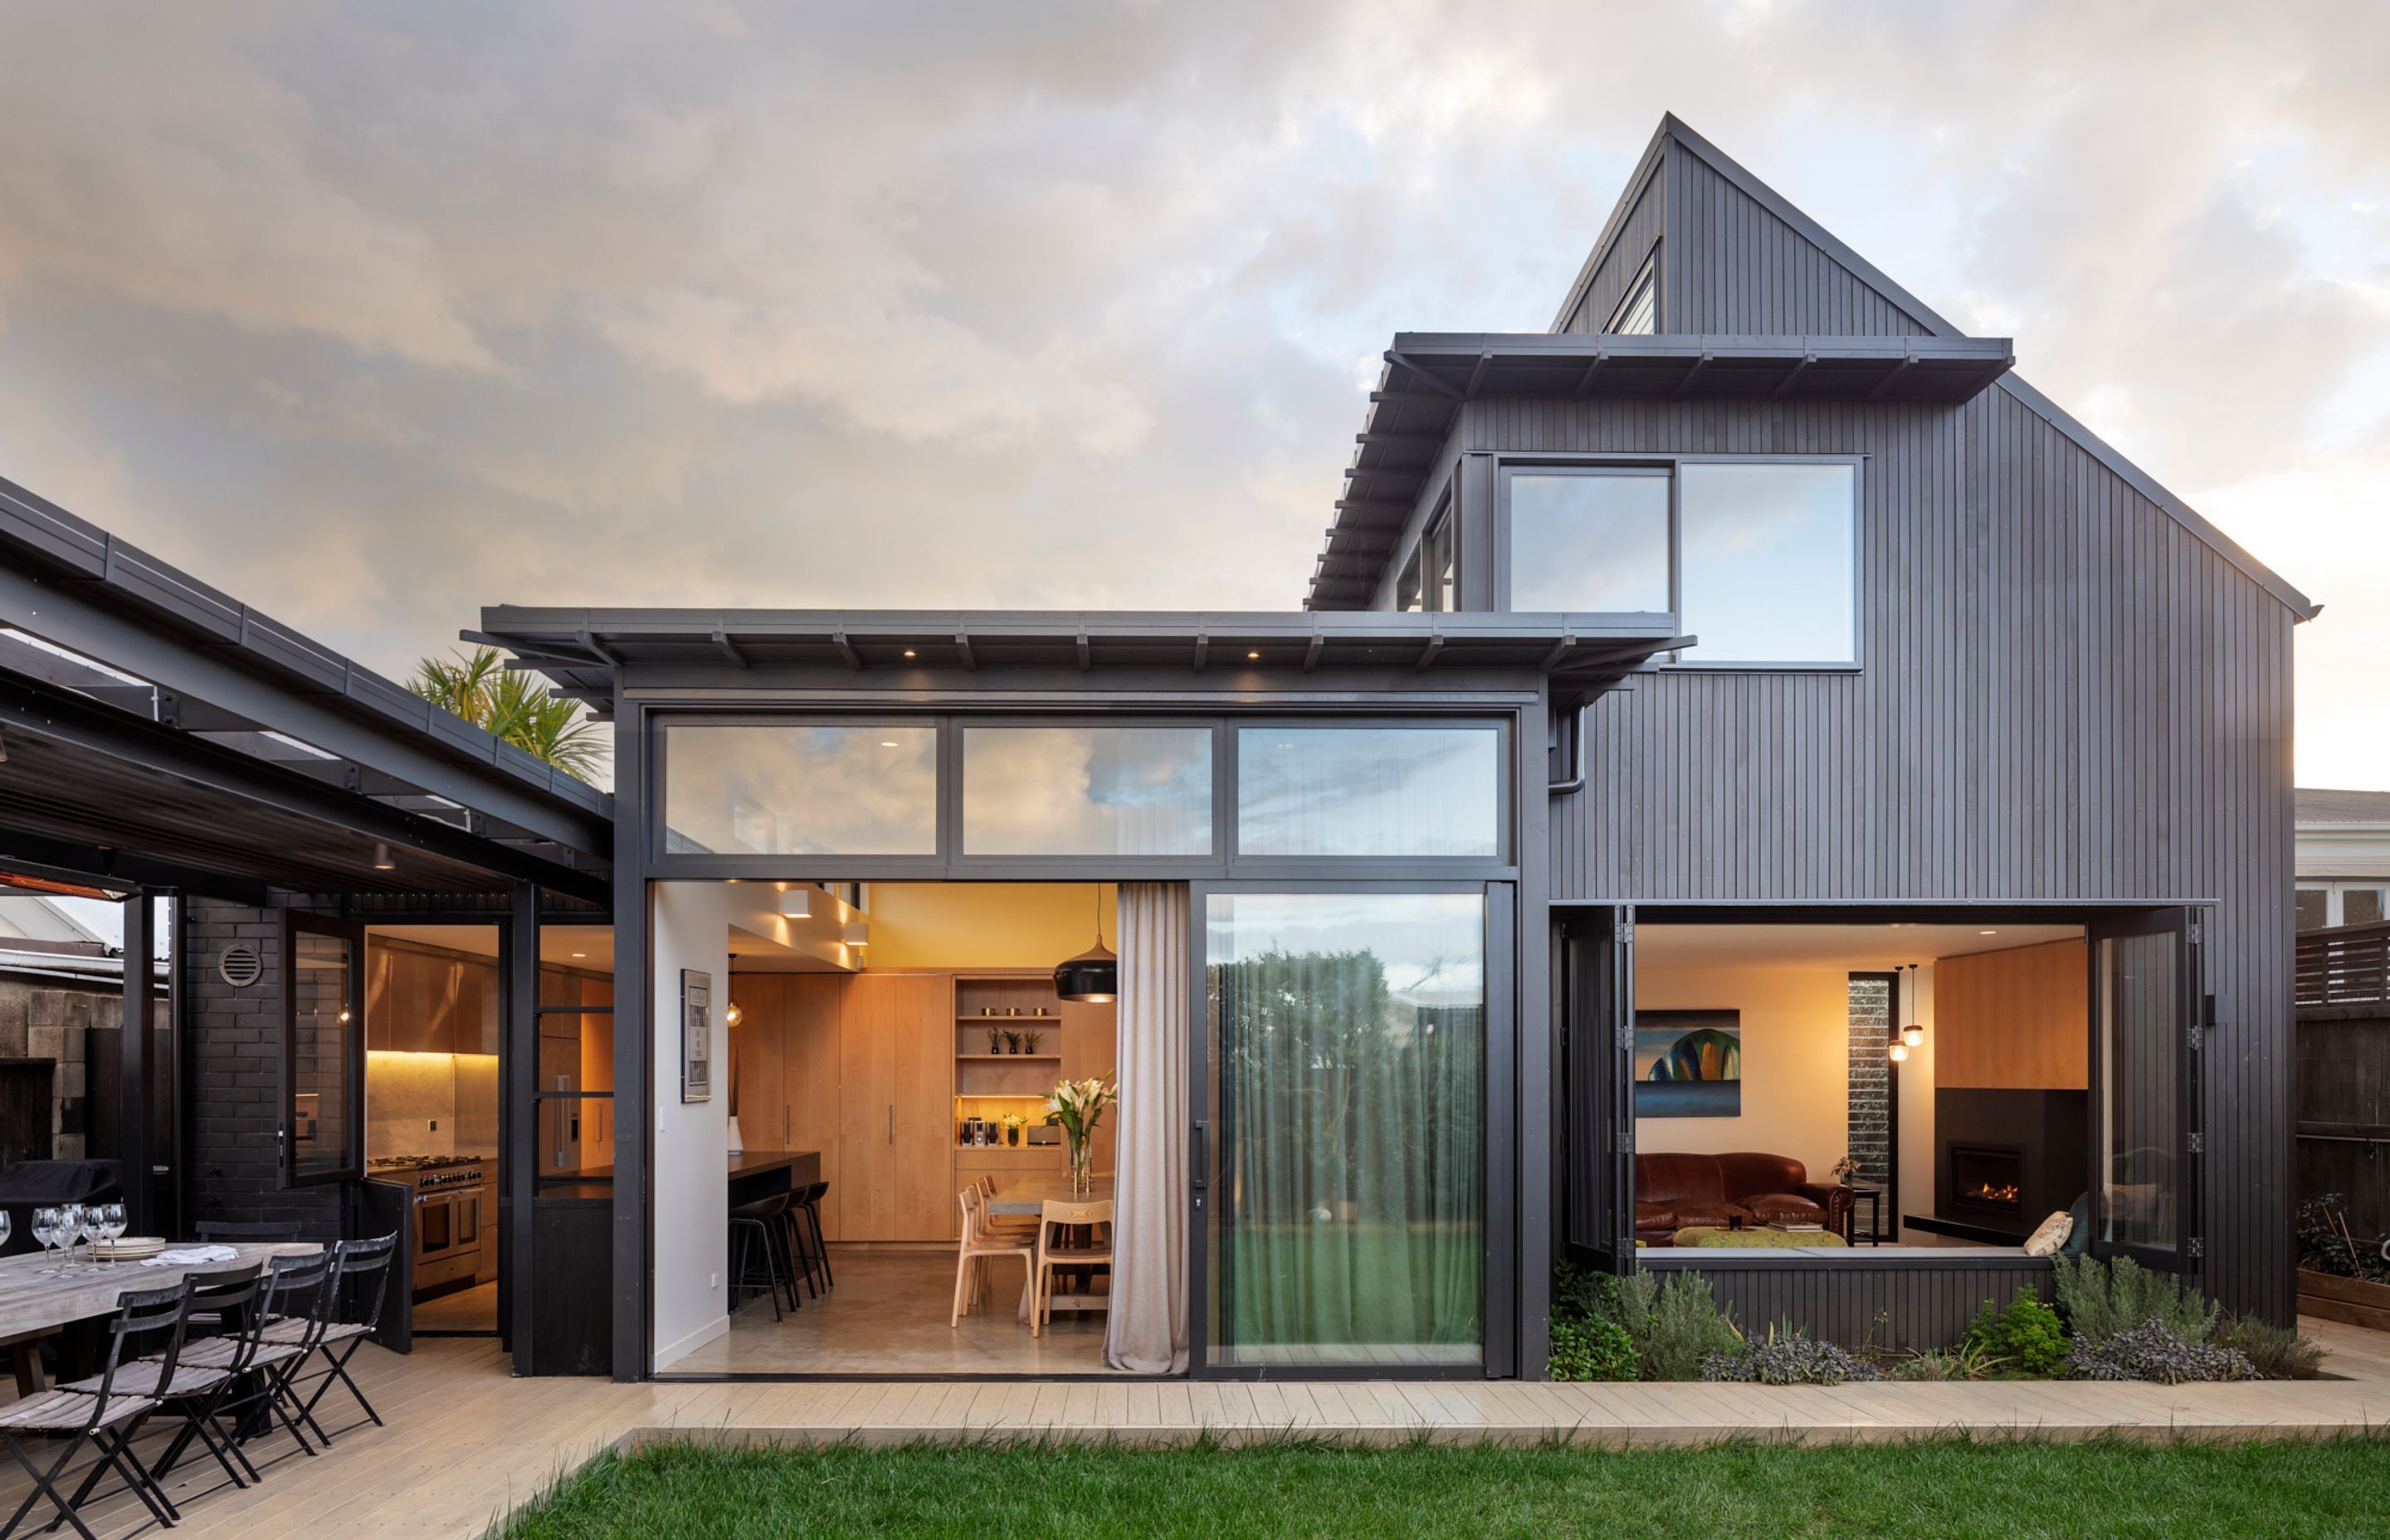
1148	1329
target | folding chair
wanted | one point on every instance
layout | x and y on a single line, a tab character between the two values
366	1264
106	1419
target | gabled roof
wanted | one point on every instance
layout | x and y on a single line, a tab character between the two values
1675	130
2318	805
1416	398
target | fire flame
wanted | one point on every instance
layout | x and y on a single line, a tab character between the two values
1985	1192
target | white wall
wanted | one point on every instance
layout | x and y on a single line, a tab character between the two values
1795	1069
690	926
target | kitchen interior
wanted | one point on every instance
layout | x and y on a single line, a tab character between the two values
910	1057
432	1031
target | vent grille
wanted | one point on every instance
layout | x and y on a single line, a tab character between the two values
240	967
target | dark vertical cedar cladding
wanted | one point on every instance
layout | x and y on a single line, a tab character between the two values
2066	695
1607	284
1730	266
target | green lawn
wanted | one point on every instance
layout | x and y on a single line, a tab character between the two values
1943	1490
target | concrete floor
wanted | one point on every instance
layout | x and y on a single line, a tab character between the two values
888	1315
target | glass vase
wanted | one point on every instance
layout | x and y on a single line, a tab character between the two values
1083	1165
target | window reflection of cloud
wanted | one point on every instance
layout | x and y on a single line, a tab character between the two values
1360	791
1431	945
804	791
1769	562
1048	791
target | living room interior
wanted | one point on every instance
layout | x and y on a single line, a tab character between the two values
1890	1085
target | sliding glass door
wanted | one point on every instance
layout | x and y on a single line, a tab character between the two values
1340	1203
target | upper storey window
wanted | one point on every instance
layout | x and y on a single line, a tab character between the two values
1638	313
1756	558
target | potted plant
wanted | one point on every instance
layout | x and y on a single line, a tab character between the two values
1078	1106
1846	1171
1013	1123
995	1040
1012	1042
1029	1041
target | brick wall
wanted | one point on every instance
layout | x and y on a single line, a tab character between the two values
232	1080
1869	1140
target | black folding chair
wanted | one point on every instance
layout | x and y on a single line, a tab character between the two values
230	1232
366	1265
298	1293
200	1381
106	1419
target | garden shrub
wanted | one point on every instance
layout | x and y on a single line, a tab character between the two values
1590	1347
1961	1362
2274	1352
2154	1351
1683	1327
1787	1357
2327	1244
2103	1299
1588	1340
2025	1337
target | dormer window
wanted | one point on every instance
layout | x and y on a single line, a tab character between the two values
1638	313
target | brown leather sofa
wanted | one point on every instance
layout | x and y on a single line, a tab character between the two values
1675	1191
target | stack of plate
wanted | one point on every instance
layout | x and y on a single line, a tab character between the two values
130	1247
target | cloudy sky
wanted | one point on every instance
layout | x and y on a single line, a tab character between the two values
372	315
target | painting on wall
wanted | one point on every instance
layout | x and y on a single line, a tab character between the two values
1689	1063
696	1035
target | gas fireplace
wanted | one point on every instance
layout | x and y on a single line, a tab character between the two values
1991	1180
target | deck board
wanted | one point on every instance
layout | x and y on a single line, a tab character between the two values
466	1441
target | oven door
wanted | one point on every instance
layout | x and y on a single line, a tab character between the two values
469	1218
436	1234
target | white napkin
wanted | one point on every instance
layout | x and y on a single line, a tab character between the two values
192	1256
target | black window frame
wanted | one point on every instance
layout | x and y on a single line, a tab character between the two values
951	863
1508	466
352	1168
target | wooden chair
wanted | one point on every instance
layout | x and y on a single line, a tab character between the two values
993	1225
1096	1252
977	1248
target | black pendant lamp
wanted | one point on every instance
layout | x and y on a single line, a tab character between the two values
1092	977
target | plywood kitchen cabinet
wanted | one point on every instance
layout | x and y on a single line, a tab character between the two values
896	1136
811	1009
755	1079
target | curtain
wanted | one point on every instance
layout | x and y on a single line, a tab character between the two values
1354	1130
1147	1329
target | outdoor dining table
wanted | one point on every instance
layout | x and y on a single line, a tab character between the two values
33	1306
1031	1194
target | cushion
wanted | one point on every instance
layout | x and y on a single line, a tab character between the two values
1755	1239
2050	1235
1663	1177
1745	1173
1655	1216
1783	1208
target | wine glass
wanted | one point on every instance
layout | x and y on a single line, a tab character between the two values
45	1230
111	1225
6	1225
73	1224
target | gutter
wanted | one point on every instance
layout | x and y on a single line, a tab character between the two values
1577	754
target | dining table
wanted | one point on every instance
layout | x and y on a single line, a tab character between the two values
37	1299
1029	1195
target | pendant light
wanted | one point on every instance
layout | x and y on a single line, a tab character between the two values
1912	1034
1093	975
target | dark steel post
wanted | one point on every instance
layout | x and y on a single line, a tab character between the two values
133	1116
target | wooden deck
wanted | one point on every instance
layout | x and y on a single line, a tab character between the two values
466	1441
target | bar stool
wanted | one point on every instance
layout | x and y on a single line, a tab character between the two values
807	1243
760	1220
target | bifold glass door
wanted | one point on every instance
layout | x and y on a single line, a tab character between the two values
1341	1211
2146	1007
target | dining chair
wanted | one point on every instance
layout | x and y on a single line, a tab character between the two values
300	1293
993	1224
106	1419
192	1384
976	1250
362	1266
233	1231
1097	1253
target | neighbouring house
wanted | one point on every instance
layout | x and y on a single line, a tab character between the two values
1753	787
61	999
2342	1106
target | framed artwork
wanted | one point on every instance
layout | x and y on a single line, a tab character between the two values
1689	1063
696	1035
